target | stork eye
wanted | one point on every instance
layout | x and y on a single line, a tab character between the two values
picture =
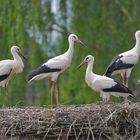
18	49
74	37
87	58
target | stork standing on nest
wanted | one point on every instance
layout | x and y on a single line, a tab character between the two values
105	85
125	62
55	66
9	67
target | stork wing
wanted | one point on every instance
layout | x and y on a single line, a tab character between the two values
102	82
121	62
109	85
129	59
60	62
55	64
5	70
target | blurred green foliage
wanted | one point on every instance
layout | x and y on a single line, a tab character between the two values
41	27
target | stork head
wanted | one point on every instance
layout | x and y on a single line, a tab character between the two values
137	34
16	50
87	59
74	38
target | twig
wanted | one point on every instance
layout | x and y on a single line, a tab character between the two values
48	131
79	133
88	135
110	116
70	129
74	132
9	129
91	129
136	135
60	134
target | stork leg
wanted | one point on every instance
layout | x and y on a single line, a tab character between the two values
5	91
106	103
125	80
125	83
52	92
56	94
125	100
106	100
6	96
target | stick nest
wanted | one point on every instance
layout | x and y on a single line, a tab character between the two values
91	122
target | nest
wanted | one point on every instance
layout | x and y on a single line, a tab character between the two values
91	122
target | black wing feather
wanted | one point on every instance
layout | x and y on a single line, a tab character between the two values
41	70
3	77
119	88
117	64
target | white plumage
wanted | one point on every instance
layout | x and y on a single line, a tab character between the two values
125	62
55	66
105	85
9	67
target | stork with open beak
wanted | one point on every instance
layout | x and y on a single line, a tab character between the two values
9	67
102	84
55	66
125	62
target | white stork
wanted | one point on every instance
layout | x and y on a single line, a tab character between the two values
125	62
9	67
105	85
55	66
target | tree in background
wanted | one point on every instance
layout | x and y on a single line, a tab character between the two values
40	29
107	28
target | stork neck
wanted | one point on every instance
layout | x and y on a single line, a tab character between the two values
89	68
137	46
70	49
16	57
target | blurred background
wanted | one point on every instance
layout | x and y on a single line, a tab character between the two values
41	28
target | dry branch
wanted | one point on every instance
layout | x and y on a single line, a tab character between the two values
91	122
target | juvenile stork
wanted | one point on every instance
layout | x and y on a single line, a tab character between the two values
102	84
55	66
125	62
9	67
